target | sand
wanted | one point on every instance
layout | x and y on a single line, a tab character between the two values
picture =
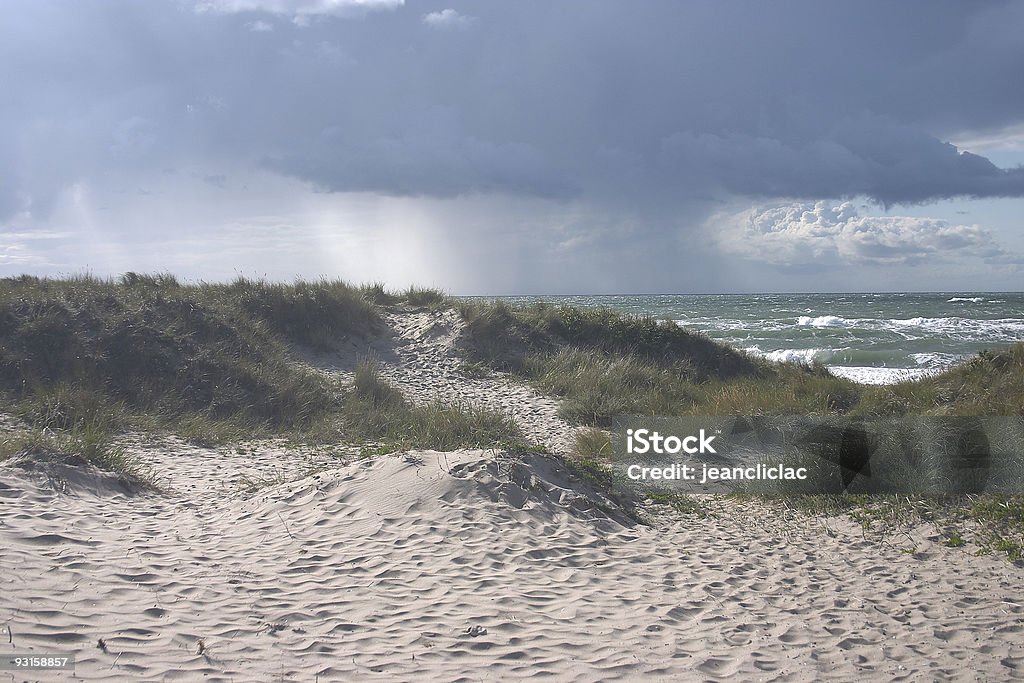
422	353
263	563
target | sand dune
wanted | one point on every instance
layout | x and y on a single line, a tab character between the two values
263	563
467	566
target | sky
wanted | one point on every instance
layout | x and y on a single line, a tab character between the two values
518	147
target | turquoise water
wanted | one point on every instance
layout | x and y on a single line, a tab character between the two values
872	338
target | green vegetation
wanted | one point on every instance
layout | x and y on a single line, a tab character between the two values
991	383
1000	521
315	314
84	445
602	363
376	411
680	502
592	443
83	359
985	524
592	449
85	350
507	337
426	298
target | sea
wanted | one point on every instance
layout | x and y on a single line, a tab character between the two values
868	338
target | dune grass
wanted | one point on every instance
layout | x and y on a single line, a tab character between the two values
315	314
425	297
507	336
991	383
83	445
602	363
214	363
595	387
210	362
85	350
376	411
983	524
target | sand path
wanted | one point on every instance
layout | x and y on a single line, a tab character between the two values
419	352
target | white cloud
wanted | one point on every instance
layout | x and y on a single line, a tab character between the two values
16	248
827	233
1009	138
447	18
14	255
300	11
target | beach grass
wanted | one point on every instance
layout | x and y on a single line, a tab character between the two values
88	350
591	459
210	362
990	383
986	524
601	363
507	336
374	410
82	445
217	363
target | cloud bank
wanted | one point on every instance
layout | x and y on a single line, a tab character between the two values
827	235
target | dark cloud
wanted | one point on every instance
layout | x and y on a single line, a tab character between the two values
664	99
437	167
654	114
888	162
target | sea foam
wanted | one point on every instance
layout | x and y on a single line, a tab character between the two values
823	321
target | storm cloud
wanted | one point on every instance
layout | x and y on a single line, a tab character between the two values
653	115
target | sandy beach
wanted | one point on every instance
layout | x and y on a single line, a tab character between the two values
472	566
346	341
262	562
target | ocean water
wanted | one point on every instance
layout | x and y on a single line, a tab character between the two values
870	338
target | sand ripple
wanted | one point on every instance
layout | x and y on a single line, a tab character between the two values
458	567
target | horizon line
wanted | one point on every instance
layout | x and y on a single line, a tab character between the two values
776	293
